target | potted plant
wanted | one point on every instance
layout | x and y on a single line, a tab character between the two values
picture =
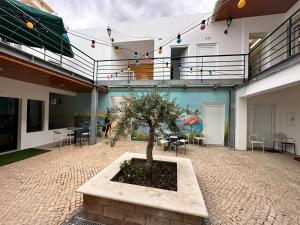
151	108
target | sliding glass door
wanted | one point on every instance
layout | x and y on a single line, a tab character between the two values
8	124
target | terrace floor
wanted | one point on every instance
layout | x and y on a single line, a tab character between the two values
238	187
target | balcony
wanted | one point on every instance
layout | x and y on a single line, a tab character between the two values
223	70
278	47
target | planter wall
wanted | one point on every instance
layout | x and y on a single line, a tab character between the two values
109	202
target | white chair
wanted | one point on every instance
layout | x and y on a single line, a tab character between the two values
199	137
61	136
185	141
254	139
163	142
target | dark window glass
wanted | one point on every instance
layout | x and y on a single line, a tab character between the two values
34	115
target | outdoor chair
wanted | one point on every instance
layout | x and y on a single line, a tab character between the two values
281	138
199	137
164	143
184	140
85	136
254	139
61	136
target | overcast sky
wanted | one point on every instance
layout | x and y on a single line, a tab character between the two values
80	14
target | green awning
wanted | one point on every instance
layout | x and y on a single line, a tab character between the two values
15	15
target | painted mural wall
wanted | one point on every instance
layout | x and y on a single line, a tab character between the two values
191	122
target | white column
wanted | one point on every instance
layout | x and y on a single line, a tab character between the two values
241	123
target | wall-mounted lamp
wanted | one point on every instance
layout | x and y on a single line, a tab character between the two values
228	22
178	39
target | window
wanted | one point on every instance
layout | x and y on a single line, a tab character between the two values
61	111
34	115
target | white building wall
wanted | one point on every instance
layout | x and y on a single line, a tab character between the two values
286	78
24	91
285	101
166	28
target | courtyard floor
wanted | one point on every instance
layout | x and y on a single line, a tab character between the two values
239	187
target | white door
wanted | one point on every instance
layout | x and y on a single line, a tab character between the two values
263	123
206	65
214	123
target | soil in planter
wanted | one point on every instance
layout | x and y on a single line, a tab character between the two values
164	175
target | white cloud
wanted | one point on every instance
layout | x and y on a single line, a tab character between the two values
79	14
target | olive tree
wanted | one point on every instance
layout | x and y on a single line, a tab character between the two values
150	108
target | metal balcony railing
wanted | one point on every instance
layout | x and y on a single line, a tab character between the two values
276	47
176	68
10	35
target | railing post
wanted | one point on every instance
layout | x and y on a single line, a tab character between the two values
290	37
163	70
128	73
245	68
95	72
61	51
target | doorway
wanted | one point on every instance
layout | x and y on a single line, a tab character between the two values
8	123
214	123
178	64
263	123
207	65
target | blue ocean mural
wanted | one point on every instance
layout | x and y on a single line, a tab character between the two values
192	100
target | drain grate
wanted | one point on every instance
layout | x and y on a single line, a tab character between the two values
77	219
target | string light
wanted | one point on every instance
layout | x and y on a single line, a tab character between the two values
137	62
116	49
178	39
93	45
241	4
202	25
108	31
65	36
112	40
167	64
147	55
135	55
179	67
128	68
160	50
191	70
29	25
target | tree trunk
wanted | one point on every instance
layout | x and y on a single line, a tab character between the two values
149	150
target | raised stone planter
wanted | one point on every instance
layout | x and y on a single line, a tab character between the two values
110	202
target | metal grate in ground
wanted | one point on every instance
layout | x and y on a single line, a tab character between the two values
77	219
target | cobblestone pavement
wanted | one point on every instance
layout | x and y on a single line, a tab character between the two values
239	187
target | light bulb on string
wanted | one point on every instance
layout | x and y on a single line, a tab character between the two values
135	55
147	55
112	40
241	4
128	68
29	25
191	70
93	45
178	39
117	49
160	50
108	31
137	62
167	64
179	67
202	25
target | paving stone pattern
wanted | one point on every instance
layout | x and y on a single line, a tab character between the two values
239	187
